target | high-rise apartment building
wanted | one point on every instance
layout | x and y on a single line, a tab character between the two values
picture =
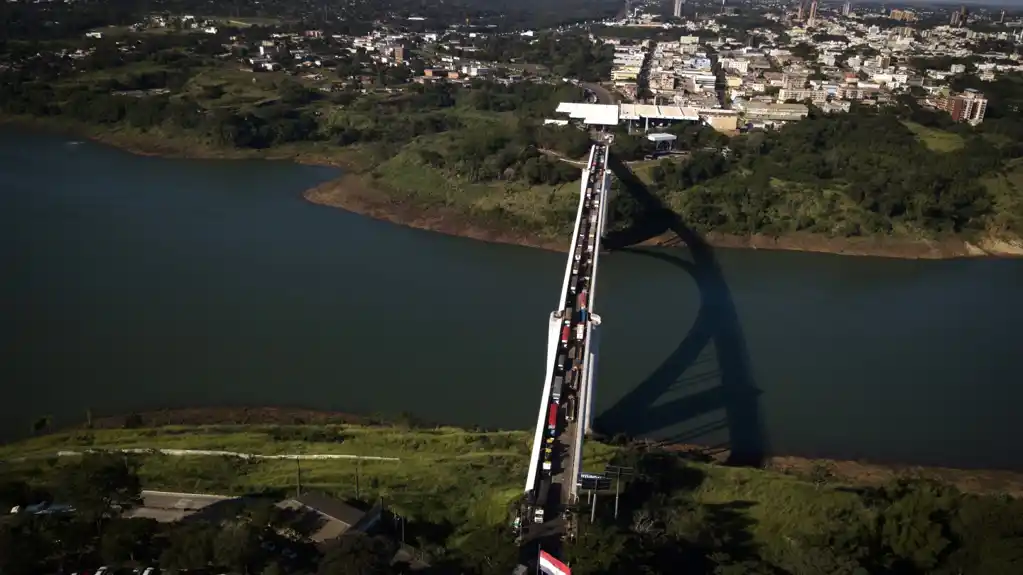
846	8
960	18
678	8
968	106
902	15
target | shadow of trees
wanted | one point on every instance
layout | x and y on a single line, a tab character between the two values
660	526
717	323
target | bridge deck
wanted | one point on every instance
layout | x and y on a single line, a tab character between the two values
555	465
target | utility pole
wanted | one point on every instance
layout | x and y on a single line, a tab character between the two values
619	472
298	464
618	481
593	509
358	467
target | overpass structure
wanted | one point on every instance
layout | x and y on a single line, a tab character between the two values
573	338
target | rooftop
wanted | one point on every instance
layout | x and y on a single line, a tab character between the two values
594	114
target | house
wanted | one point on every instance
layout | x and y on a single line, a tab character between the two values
333	517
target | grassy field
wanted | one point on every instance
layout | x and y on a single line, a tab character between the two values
1006	191
442	473
468	478
546	209
936	140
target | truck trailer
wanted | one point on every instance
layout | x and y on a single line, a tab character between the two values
540	500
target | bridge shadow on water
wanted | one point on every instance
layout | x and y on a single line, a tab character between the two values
717	324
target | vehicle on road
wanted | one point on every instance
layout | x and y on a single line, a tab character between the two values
540	501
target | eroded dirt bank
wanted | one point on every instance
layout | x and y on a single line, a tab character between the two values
355	193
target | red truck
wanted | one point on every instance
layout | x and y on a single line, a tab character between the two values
564	333
552	418
582	300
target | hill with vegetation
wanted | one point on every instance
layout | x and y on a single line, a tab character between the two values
457	488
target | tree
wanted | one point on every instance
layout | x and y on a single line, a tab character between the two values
263	513
99	486
820	474
14	492
359	554
22	550
489	550
236	546
596	548
128	539
190	546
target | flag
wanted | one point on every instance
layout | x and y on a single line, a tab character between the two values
551	566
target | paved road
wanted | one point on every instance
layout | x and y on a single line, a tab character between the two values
604	96
216	453
579	163
165	506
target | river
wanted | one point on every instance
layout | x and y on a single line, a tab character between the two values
134	283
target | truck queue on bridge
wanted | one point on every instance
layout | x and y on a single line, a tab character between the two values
568	378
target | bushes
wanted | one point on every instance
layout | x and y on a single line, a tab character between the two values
749	521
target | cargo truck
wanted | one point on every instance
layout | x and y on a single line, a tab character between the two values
564	333
552	418
570	411
580	331
582	299
541	500
556	389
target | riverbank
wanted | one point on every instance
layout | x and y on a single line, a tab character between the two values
212	426
359	192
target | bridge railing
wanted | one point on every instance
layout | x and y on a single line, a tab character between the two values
593	339
586	392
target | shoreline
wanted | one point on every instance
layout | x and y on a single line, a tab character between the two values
353	192
863	473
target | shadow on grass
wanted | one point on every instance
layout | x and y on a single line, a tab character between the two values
717	323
